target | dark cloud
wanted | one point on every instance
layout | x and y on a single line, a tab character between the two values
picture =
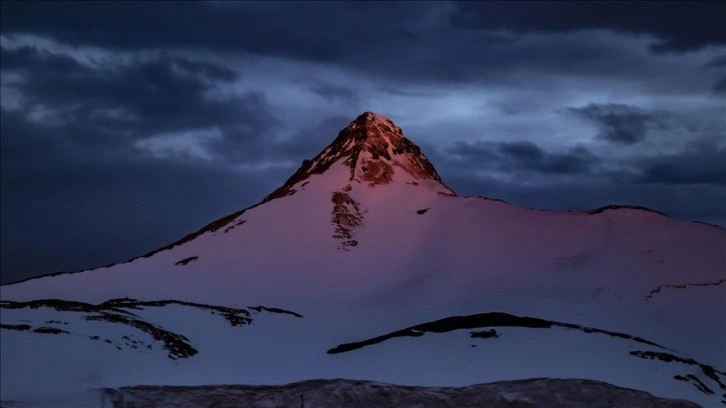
618	123
118	103
702	162
677	26
409	93
692	202
522	151
720	86
716	62
206	70
333	93
687	185
30	59
68	205
521	156
315	31
309	138
365	37
75	182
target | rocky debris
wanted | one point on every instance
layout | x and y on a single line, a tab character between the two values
682	286
50	330
346	216
236	224
176	345
118	310
484	334
17	327
529	393
186	260
376	172
690	378
706	369
274	310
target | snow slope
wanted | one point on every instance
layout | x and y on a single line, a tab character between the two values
365	240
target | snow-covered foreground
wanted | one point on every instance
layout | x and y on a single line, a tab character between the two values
364	241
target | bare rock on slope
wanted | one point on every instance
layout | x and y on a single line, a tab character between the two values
538	392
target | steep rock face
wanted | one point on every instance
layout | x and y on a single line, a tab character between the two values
346	216
374	149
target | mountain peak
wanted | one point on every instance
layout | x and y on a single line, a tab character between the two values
371	117
374	149
370	125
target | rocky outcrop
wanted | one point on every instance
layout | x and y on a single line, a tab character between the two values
119	311
387	150
346	216
538	392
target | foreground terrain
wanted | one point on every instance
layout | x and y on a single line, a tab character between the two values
365	265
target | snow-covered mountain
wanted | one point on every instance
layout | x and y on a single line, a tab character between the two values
364	265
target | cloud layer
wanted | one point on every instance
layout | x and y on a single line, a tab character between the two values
125	126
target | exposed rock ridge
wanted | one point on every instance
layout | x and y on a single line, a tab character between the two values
121	311
372	146
535	392
346	216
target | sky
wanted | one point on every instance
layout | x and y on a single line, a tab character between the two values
126	125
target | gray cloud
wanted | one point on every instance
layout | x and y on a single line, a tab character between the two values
702	162
716	62
720	86
686	185
68	205
521	156
334	93
313	31
619	123
78	158
118	104
522	151
365	37
692	202
677	26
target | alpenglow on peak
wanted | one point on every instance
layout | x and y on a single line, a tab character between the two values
374	149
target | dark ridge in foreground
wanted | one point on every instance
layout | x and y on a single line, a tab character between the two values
707	370
499	319
118	310
683	286
491	319
537	392
641	208
619	207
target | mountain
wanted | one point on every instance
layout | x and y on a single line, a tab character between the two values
364	265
